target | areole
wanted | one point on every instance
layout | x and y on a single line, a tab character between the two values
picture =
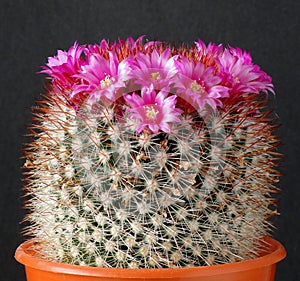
259	269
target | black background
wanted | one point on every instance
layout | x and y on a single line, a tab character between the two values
33	30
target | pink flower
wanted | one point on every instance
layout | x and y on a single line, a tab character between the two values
63	66
241	75
126	47
153	110
131	44
154	69
199	85
201	76
208	54
244	56
102	78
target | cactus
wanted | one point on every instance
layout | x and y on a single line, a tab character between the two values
183	180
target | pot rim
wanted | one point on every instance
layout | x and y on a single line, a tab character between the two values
25	256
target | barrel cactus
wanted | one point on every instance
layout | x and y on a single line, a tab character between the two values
147	155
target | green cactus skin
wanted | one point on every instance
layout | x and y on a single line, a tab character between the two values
101	195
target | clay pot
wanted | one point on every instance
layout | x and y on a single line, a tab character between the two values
259	269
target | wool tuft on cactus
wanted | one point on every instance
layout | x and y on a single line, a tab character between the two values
148	155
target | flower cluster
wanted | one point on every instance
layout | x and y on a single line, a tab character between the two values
155	83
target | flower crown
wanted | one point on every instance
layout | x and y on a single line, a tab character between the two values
153	83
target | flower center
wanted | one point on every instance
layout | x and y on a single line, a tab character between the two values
155	76
151	112
106	82
197	87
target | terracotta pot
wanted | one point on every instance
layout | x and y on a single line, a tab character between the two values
259	269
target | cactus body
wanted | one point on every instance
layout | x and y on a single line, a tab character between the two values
102	194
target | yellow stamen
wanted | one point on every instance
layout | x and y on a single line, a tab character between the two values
106	82
155	76
151	112
197	87
236	79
